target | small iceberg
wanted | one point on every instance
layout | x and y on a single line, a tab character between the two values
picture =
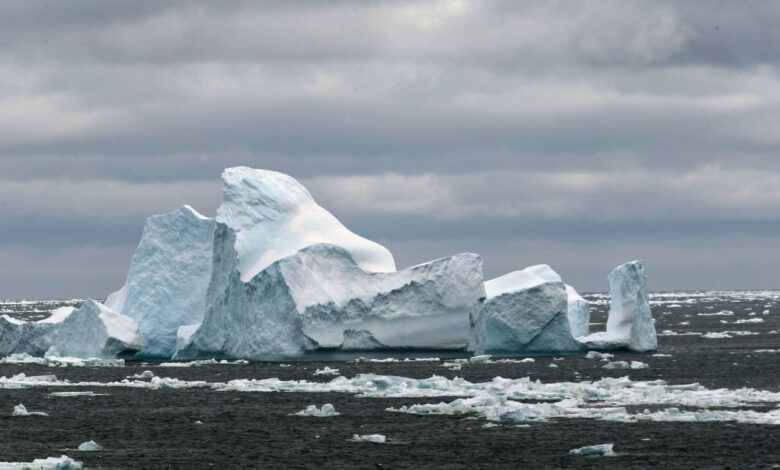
21	410
90	446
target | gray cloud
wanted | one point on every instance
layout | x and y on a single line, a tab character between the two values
584	132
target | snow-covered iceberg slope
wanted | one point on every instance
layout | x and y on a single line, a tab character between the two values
525	312
630	321
168	278
274	216
94	330
320	297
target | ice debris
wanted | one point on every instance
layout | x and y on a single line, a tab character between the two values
375	438
625	365
51	463
326	371
600	450
21	410
326	411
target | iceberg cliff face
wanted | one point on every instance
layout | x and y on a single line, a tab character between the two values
524	312
578	309
630	322
168	278
94	330
274	216
33	338
320	297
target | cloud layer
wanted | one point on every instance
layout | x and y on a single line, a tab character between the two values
582	134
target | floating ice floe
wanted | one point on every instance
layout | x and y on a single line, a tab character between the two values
77	394
497	400
326	411
58	361
600	450
326	371
598	355
51	463
625	365
147	374
375	438
202	362
21	410
90	446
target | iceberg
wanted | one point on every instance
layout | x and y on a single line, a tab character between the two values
577	308
167	279
525	312
321	298
630	321
33	338
94	330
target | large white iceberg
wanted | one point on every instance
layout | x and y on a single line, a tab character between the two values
94	330
630	322
525	312
320	298
168	278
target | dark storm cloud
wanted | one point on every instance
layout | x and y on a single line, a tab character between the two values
583	132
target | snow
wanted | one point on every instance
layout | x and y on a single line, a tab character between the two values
310	299
167	279
96	331
600	450
326	411
274	216
51	463
21	410
629	323
90	446
375	438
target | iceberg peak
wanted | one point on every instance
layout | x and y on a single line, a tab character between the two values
274	216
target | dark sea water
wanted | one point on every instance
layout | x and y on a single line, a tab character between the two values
189	424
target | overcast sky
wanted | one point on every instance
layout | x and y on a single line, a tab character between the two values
578	134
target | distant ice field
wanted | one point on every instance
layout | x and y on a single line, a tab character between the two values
708	398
